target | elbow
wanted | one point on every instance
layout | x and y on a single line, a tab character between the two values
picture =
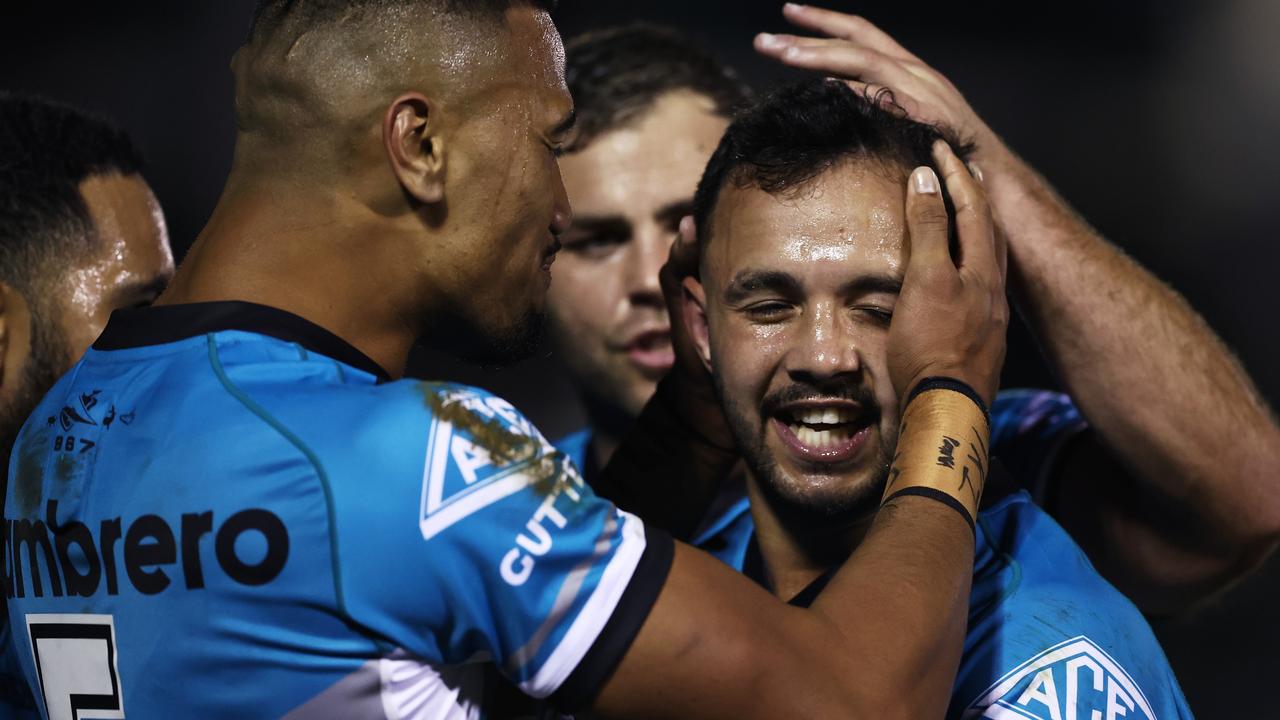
1182	585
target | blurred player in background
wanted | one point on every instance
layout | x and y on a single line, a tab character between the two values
651	108
81	235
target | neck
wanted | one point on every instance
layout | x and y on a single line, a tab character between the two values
308	254
797	550
609	425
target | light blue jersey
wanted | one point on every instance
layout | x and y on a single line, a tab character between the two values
224	512
1028	429
1048	638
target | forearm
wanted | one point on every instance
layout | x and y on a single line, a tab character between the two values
883	640
1163	392
915	568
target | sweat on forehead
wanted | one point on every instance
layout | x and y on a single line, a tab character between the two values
794	135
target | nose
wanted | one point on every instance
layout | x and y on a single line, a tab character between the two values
649	250
825	349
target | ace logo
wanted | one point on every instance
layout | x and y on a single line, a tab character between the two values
478	453
1073	680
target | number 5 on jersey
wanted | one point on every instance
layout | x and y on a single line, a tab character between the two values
75	659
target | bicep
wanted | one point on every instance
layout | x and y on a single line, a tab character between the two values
1150	547
715	645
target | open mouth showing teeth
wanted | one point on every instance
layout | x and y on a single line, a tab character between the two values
823	433
822	427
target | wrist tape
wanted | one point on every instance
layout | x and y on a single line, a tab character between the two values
942	447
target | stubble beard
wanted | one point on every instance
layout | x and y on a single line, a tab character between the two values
48	360
794	505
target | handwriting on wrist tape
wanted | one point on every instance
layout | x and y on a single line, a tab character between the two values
942	451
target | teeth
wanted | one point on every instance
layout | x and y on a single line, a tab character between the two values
820	438
828	416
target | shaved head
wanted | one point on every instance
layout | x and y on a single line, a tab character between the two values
313	72
401	155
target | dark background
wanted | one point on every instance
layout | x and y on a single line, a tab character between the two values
1156	119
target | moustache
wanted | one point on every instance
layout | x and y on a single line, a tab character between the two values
868	407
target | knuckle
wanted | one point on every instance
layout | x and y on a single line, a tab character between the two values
858	25
931	220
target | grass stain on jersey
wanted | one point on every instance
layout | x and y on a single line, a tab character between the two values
504	446
29	482
64	466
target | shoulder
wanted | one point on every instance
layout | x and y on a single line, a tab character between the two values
1059	640
392	430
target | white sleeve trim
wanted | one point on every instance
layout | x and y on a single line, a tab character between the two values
598	609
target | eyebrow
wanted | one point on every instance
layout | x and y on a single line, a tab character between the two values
610	223
671	211
675	210
869	284
747	282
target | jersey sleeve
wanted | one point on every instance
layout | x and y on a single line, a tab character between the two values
484	543
1029	429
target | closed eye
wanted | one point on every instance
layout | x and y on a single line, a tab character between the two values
875	314
768	311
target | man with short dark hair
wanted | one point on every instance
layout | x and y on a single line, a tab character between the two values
81	235
229	509
1170	485
651	108
1160	520
803	247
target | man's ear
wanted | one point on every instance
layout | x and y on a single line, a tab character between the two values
414	149
695	318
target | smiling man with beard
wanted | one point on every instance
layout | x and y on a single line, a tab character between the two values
803	247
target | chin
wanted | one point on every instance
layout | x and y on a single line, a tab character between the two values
507	343
820	495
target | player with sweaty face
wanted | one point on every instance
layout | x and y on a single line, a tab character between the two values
803	249
284	529
1126	472
1169	487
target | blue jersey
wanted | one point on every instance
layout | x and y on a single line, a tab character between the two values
224	511
1048	638
1028	429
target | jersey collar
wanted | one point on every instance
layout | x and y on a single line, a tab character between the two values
753	567
164	324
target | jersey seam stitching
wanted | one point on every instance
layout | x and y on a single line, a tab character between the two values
243	398
1009	561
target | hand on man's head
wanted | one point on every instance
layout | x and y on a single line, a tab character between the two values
952	314
853	49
